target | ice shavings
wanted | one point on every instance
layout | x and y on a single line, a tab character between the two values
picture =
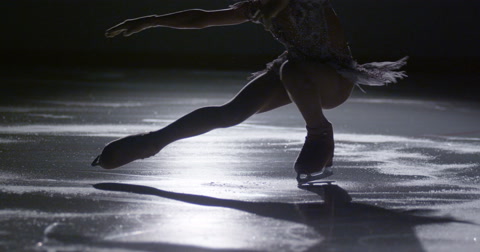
416	158
7	141
51	116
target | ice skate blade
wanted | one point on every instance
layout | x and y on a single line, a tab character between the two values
96	162
307	179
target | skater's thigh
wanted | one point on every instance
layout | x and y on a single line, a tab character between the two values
316	78
264	93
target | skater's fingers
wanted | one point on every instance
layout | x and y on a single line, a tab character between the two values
112	32
109	33
127	33
130	32
117	29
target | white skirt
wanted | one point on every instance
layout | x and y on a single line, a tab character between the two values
369	74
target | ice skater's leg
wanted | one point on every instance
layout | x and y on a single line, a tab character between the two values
264	93
313	87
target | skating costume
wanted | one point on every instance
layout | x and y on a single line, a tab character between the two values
303	29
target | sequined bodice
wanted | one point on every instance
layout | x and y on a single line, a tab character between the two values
310	29
303	29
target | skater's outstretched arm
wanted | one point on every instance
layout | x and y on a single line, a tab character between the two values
187	19
198	19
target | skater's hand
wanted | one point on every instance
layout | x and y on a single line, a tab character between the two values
129	27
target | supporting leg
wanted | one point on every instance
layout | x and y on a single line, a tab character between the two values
312	87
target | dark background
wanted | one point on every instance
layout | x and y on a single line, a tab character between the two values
440	36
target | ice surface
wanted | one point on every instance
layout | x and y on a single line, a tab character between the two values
411	168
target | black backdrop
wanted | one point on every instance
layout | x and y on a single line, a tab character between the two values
438	35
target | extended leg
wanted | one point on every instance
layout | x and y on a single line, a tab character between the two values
263	93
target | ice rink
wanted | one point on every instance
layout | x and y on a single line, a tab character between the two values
409	163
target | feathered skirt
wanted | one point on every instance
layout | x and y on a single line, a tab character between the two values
369	74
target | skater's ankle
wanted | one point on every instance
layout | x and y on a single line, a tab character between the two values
324	129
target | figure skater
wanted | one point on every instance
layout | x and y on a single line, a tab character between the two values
315	72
